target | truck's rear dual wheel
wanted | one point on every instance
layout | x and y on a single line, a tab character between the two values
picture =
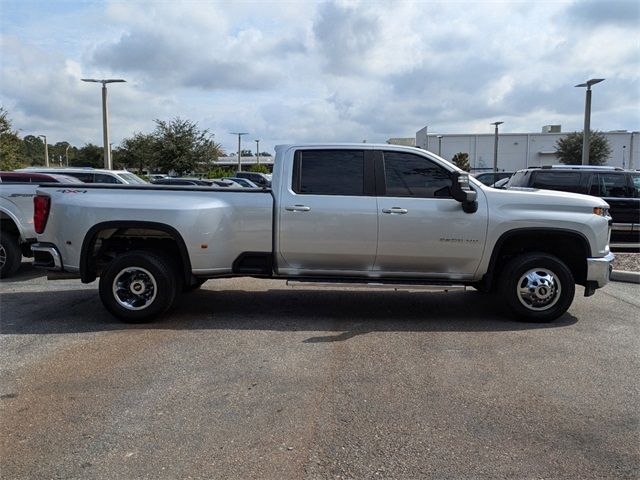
537	287
138	286
10	255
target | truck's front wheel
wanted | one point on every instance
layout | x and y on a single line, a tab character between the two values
138	286
537	287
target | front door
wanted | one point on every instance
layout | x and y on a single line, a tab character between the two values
423	231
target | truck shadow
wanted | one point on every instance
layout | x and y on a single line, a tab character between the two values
335	314
24	273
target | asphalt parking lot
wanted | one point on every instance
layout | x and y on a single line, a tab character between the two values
252	379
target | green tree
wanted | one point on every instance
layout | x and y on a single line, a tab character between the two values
569	148
219	172
11	147
182	147
461	160
137	152
33	150
257	168
89	155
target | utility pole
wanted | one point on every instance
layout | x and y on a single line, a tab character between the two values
240	134
105	118
46	151
587	118
66	153
495	147
258	151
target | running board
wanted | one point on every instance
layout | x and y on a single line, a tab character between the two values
437	287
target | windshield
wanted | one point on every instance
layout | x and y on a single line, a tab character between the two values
131	178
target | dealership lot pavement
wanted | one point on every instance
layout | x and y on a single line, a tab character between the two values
252	379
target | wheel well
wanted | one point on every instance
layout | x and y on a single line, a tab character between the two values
570	247
8	225
104	242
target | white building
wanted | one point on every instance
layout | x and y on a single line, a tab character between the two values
521	150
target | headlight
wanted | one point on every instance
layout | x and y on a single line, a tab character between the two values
602	211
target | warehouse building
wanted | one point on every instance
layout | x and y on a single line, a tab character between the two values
521	150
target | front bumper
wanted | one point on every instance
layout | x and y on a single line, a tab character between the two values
599	270
46	255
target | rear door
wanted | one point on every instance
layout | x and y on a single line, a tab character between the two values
423	230
328	220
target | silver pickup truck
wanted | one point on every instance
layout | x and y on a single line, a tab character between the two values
337	214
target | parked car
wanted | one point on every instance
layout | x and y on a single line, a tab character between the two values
243	182
156	176
489	178
261	179
28	177
181	181
374	215
17	190
501	184
619	188
91	175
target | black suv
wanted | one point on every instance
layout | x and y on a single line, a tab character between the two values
619	188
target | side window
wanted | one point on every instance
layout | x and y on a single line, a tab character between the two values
563	181
635	179
329	172
408	175
102	178
83	177
609	185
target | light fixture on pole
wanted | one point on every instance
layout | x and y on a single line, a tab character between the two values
240	134
495	147
66	153
258	151
105	117
439	145
46	151
587	118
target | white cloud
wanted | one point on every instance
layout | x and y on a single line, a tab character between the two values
289	71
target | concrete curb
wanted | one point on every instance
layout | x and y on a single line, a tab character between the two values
623	276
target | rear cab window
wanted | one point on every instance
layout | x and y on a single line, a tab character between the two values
329	172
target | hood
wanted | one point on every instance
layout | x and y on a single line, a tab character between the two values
547	197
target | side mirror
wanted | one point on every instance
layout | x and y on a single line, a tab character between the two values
463	193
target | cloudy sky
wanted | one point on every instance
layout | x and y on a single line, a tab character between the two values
318	71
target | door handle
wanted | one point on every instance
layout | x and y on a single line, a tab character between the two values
297	208
395	210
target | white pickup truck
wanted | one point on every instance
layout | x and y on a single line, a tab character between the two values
337	214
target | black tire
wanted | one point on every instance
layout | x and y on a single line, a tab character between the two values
194	286
10	255
537	287
150	274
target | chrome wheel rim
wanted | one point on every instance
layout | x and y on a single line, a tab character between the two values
134	288
539	289
3	256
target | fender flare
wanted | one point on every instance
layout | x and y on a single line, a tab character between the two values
87	276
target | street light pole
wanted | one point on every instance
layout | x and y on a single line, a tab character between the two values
495	147
46	151
240	134
105	118
66	154
587	118
439	145
258	151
